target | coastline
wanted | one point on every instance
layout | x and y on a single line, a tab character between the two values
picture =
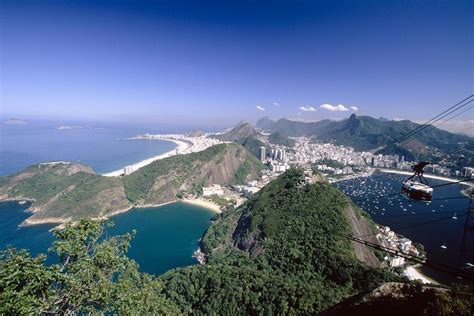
60	222
203	203
180	147
413	273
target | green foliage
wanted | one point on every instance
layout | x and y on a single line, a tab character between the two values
253	145
138	184
190	169
24	282
246	169
282	252
278	138
93	275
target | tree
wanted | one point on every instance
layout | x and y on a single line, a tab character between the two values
92	274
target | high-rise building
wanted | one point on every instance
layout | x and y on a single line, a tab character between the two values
262	154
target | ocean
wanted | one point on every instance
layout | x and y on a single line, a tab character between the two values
433	225
104	148
166	236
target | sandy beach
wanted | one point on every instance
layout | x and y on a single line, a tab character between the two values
203	203
413	274
180	147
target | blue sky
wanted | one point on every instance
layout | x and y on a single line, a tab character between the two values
217	61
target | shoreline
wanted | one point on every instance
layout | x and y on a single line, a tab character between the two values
180	147
413	273
60	222
203	203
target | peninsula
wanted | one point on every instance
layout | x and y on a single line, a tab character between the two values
66	191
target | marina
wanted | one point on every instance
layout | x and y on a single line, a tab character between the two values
437	225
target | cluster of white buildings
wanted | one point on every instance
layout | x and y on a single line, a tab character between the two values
306	152
391	240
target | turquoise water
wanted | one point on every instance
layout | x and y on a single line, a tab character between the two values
166	236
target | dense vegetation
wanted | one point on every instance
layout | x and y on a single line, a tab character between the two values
282	251
93	274
278	138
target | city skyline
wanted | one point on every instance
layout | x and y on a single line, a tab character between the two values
162	61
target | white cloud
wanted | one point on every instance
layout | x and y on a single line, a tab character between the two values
333	108
307	109
276	104
354	108
260	108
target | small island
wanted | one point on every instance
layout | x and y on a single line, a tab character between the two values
14	121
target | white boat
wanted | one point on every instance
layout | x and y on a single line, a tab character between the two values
443	246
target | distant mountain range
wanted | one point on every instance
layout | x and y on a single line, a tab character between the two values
368	133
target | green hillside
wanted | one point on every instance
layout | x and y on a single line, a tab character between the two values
64	191
68	191
162	180
281	252
278	138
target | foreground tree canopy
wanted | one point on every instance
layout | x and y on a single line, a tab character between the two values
92	274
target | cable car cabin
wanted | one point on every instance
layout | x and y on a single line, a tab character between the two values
417	191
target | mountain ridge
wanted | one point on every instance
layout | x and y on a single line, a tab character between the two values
366	133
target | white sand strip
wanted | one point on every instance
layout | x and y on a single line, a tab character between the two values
181	147
413	274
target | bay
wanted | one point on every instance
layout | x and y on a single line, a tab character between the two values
434	224
166	236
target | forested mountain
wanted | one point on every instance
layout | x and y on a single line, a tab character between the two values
282	252
367	133
66	191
